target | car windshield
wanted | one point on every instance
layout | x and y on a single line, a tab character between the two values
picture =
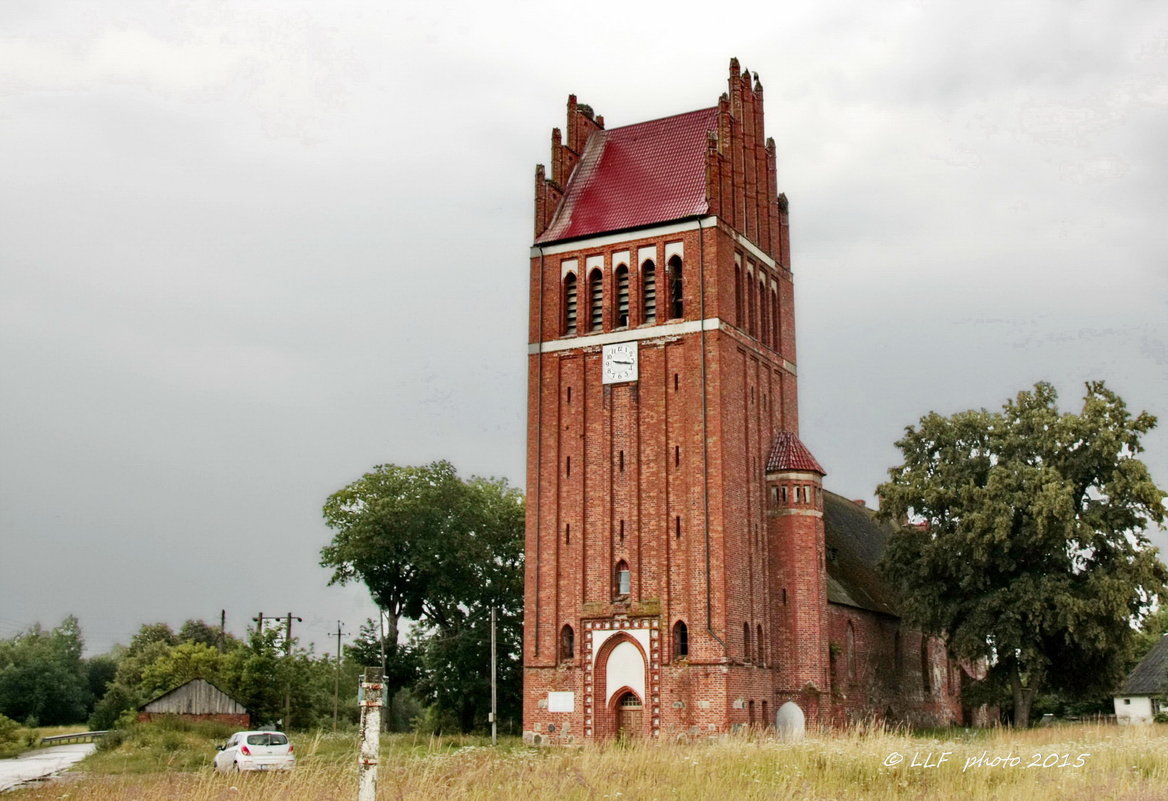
267	738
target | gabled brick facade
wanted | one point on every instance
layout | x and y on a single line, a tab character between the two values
678	575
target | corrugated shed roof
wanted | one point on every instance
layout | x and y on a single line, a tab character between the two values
637	175
789	453
855	541
1150	676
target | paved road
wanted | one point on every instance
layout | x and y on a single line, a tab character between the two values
41	763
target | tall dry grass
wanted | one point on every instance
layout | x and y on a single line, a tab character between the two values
1114	763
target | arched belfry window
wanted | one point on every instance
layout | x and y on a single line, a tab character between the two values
596	300
676	304
570	303
775	331
680	639
758	644
567	643
649	291
746	642
622	296
622	578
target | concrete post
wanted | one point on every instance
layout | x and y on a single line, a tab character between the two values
372	693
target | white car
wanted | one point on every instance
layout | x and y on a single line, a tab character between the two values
255	750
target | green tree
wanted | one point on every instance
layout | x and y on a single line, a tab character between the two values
201	632
441	550
1027	547
256	674
43	677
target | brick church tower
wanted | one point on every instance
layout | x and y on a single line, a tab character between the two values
675	574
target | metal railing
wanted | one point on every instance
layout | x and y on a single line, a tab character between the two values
75	737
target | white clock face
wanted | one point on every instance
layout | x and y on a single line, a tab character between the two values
620	363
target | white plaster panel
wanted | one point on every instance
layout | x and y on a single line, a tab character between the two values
646	254
625	668
561	702
1137	710
593	263
600	637
628	335
755	249
620	257
674	249
627	236
569	266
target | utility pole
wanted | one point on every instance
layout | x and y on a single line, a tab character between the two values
494	709
259	621
337	677
381	644
288	659
222	628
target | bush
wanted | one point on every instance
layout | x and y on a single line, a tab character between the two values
11	741
1161	717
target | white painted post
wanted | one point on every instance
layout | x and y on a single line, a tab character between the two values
372	691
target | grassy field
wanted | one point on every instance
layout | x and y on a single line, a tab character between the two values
1072	763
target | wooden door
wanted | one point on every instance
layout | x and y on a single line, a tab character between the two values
628	716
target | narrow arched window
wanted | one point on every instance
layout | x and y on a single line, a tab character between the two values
567	643
758	644
764	325
746	642
776	333
596	300
737	293
649	291
676	302
750	306
680	639
622	296
570	303
623	578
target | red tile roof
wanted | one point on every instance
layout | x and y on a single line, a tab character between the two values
788	453
642	174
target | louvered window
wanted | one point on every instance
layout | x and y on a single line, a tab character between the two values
649	281
596	299
622	296
570	303
676	305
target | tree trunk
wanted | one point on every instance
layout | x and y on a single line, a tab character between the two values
1023	698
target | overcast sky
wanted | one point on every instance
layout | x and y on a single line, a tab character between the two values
249	250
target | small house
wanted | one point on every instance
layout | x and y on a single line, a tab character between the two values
198	699
1144	693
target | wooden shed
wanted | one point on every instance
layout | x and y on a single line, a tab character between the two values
198	699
